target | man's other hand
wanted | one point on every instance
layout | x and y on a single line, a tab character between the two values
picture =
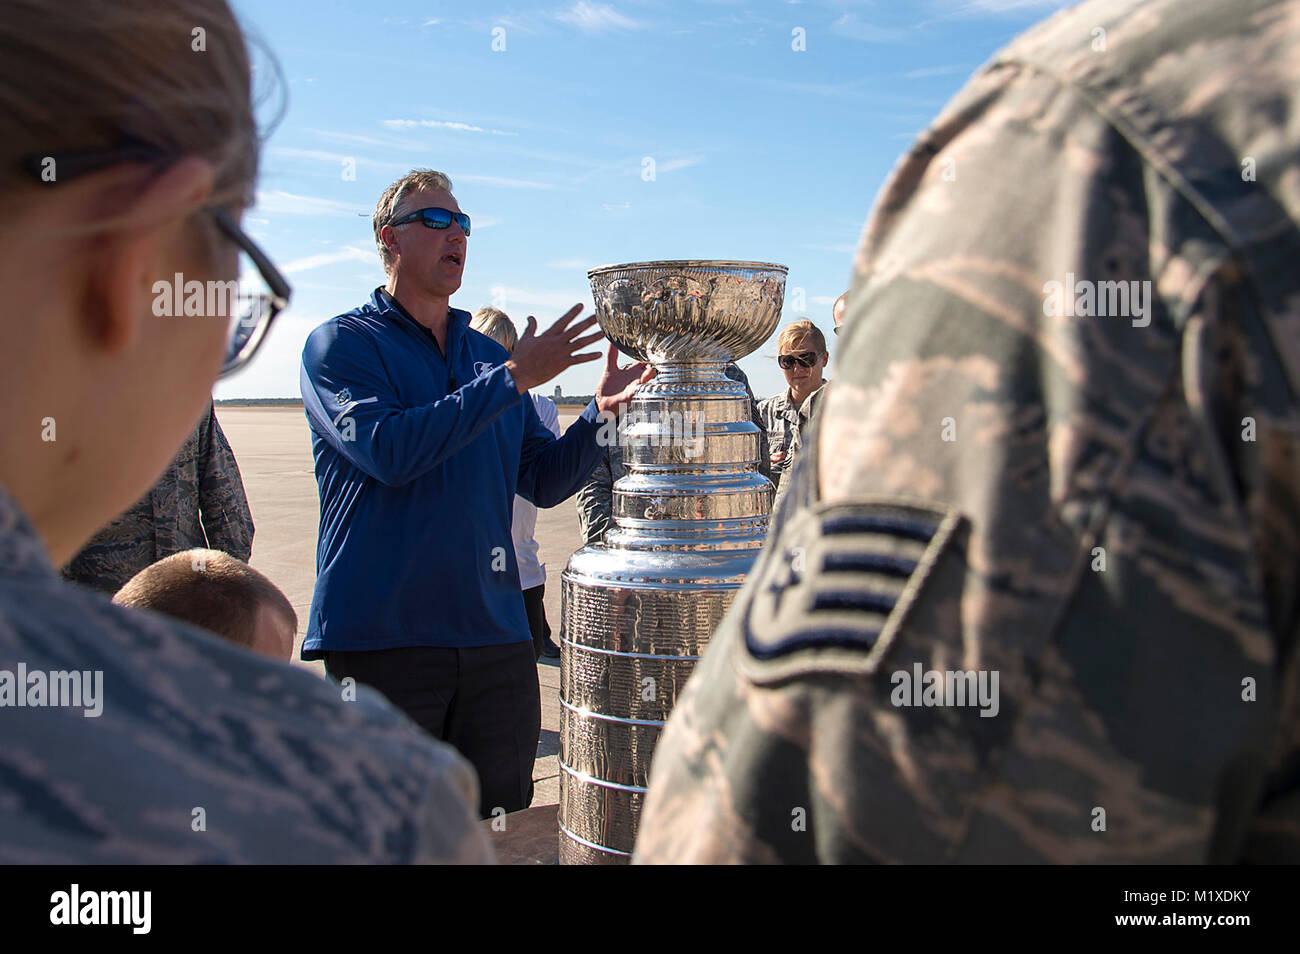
538	358
618	384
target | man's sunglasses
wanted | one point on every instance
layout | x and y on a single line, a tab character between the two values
262	291
804	359
436	219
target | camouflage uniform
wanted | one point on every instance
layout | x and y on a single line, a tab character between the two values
284	771
596	498
202	481
1103	511
785	424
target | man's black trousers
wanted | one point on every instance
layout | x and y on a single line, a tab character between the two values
483	700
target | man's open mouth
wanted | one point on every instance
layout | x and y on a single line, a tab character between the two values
451	257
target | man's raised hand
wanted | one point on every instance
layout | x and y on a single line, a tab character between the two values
538	358
618	384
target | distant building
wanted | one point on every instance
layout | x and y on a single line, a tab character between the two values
558	394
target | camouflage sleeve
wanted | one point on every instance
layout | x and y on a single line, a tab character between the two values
596	502
764	458
227	521
761	418
1033	593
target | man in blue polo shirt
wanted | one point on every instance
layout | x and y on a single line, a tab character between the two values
422	434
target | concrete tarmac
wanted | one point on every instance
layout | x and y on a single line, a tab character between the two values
273	448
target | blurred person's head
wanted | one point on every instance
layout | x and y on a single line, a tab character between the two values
801	352
119	142
423	260
837	311
216	592
496	324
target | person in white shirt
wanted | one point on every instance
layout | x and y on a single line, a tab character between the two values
497	325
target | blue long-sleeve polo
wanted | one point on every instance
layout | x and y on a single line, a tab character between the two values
418	460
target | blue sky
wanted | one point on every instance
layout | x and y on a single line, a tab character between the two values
760	151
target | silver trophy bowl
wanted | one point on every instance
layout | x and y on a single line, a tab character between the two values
689	310
638	609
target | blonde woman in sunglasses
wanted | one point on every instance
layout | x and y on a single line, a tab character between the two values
801	353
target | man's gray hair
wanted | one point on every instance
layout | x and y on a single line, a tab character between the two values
386	208
496	324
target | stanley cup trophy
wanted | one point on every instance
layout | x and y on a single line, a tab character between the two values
689	519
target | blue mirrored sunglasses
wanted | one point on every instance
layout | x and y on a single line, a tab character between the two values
436	219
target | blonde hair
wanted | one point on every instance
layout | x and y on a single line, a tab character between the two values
798	330
496	324
416	180
82	77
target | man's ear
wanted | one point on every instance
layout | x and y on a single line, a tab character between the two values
129	258
388	235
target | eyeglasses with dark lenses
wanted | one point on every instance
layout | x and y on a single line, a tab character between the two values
434	218
805	359
262	291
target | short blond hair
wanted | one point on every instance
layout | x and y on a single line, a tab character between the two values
386	208
209	589
798	330
496	324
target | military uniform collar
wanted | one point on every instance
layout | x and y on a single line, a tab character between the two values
22	553
806	408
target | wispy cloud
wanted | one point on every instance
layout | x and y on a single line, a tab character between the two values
672	165
334	157
277	202
855	28
543	300
337	158
502	181
611	206
441	124
596	18
936	71
349	253
964	9
1009	6
390	142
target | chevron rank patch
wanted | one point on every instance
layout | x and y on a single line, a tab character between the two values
830	593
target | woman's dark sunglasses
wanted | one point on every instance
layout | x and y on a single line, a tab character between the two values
804	358
253	313
436	219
